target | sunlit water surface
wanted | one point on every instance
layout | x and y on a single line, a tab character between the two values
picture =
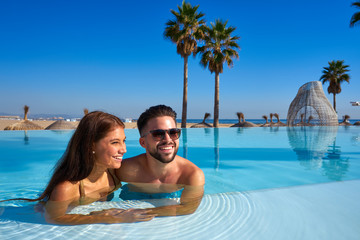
261	183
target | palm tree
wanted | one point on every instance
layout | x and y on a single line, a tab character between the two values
185	30
219	47
335	74
355	19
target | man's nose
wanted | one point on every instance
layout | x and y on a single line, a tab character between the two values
167	136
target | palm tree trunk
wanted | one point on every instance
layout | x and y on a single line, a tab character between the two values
184	108
216	102
334	100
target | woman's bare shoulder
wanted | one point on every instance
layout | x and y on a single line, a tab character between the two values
65	191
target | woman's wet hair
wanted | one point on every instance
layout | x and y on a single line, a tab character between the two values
78	160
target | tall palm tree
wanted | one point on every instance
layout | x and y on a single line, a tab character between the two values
219	47
335	74
185	30
355	19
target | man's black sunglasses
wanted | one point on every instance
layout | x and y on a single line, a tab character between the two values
159	134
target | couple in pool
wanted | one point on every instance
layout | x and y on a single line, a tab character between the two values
92	168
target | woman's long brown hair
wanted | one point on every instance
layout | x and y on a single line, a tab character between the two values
78	160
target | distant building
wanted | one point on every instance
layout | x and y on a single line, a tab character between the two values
128	120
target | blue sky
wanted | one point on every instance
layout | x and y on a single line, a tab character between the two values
59	57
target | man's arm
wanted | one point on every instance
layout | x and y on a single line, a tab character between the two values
190	198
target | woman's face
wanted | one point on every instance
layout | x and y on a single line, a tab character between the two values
109	150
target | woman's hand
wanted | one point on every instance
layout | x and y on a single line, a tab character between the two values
125	216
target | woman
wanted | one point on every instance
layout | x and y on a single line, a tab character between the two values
85	173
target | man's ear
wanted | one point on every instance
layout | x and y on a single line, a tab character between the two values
142	142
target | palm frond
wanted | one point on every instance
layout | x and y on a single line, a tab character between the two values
335	74
185	28
355	19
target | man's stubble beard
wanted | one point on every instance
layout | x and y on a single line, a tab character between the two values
160	158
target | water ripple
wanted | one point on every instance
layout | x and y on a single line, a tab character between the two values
306	212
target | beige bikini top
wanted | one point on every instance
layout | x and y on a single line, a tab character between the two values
116	181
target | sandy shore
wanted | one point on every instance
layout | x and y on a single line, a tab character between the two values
132	125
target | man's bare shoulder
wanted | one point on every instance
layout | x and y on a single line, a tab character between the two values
190	173
133	161
129	168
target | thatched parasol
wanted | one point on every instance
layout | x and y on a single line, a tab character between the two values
345	121
24	124
266	124
302	120
271	117
60	125
86	111
203	124
278	123
242	122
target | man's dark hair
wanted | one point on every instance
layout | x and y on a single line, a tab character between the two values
154	112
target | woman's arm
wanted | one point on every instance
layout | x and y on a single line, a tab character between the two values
54	215
66	194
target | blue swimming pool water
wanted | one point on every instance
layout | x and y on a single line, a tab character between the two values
249	172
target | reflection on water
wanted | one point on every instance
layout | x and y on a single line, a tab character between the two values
185	147
316	148
334	166
216	149
355	140
274	129
26	138
240	130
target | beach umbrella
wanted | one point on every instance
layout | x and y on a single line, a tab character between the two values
242	122
266	124
61	124
345	121
203	124
24	124
278	123
86	111
302	122
271	117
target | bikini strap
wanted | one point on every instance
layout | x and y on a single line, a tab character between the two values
81	189
115	179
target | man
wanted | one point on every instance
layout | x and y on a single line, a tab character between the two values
160	171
